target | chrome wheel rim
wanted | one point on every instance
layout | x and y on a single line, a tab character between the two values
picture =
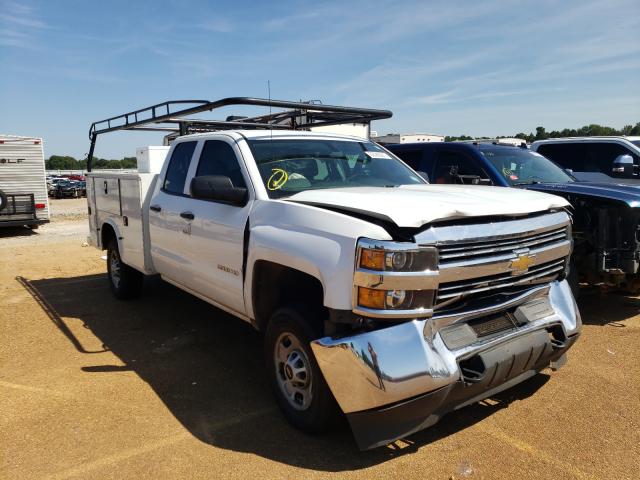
293	371
114	269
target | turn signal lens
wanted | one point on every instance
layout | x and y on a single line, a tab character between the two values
370	298
372	259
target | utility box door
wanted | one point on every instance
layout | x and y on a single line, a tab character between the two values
107	192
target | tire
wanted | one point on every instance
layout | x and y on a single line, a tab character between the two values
125	282
3	200
308	404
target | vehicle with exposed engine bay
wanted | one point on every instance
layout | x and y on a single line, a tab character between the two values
380	296
606	216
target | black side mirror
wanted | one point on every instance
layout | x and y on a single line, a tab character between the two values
424	175
218	188
622	166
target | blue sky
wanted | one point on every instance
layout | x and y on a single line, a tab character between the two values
479	68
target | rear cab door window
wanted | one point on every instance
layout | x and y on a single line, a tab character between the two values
178	168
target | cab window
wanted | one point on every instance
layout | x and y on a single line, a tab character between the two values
218	158
413	158
178	167
455	167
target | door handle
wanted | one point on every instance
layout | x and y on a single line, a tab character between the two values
155	208
187	215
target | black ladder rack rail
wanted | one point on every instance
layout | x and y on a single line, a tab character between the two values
162	117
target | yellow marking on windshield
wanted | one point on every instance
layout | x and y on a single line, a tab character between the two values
277	179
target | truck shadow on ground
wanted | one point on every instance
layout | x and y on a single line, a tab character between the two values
207	367
8	232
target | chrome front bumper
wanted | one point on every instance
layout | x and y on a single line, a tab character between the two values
373	370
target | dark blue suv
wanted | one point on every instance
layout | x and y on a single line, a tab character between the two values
606	228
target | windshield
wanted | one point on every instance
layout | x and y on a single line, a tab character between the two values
636	142
522	167
288	167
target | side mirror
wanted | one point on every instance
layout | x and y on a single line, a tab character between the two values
569	171
424	175
623	166
218	188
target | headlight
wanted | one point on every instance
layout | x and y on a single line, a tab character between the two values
395	276
390	257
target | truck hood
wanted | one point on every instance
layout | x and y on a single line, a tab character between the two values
611	191
417	205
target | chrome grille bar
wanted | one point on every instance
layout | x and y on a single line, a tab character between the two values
458	289
462	251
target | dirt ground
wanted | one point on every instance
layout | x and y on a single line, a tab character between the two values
167	386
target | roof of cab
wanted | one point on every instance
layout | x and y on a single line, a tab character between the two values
271	134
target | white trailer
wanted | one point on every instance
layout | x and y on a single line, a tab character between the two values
23	185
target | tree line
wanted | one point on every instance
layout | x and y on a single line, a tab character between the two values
65	162
541	133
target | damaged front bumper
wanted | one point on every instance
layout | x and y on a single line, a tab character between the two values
400	379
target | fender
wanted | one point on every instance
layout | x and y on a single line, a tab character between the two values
315	241
109	221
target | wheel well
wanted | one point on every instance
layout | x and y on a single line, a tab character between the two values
107	233
276	285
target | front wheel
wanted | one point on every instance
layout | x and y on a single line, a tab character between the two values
125	282
298	384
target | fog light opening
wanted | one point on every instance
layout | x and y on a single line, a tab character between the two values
473	369
557	337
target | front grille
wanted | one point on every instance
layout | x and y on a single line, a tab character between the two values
478	250
537	274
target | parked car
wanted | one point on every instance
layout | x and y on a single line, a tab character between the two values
382	296
67	189
606	221
82	187
595	159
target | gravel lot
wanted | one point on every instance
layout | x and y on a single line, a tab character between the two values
169	387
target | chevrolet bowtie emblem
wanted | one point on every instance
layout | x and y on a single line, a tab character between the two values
522	263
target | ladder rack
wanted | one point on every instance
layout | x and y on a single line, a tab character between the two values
171	116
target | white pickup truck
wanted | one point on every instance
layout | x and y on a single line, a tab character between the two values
379	295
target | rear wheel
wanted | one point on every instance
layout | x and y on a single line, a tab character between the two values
125	282
298	384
